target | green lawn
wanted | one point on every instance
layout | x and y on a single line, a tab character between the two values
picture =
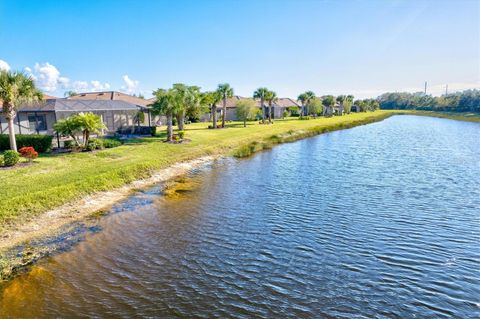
55	180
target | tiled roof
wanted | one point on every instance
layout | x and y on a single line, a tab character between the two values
110	95
282	102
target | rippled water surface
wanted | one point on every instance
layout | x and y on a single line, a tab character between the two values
379	221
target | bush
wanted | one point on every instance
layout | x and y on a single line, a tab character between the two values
111	143
69	144
154	130
41	143
294	111
94	144
28	152
10	158
181	134
1	161
304	117
285	113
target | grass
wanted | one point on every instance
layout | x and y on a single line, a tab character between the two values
54	180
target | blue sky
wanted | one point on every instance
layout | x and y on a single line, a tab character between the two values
330	47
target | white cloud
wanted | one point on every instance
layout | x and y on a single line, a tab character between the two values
130	85
4	66
49	79
47	76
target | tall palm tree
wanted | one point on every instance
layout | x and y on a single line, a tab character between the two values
16	88
211	99
225	91
305	98
261	93
271	98
166	103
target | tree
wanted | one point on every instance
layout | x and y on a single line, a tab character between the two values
315	107
246	110
165	104
89	123
16	88
271	98
68	127
262	94
341	100
225	91
211	99
182	97
305	98
85	123
347	104
69	93
329	102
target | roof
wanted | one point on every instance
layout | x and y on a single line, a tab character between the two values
67	105
286	102
110	95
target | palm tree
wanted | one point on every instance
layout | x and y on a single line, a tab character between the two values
165	104
262	94
16	88
305	99
341	100
211	99
89	123
329	102
271	98
225	92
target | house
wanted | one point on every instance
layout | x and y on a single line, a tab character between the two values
117	110
280	106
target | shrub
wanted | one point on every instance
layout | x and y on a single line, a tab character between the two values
69	144
10	158
42	143
294	111
304	117
111	143
28	152
94	144
154	130
181	134
285	113
1	161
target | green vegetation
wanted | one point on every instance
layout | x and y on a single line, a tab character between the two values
58	179
41	143
262	95
84	123
466	101
16	89
10	158
224	91
246	110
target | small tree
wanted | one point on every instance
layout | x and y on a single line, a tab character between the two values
85	123
271	98
165	104
261	94
211	99
315	107
246	110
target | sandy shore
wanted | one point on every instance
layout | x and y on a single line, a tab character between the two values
53	221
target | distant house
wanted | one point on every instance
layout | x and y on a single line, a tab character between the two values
278	107
117	110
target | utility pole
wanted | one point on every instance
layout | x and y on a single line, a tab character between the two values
425	87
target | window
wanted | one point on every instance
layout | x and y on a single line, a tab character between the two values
37	122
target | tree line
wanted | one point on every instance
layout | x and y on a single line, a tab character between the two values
465	101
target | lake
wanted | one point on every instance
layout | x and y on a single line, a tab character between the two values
378	221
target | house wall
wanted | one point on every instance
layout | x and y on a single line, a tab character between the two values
22	125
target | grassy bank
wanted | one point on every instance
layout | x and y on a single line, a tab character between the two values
54	180
467	117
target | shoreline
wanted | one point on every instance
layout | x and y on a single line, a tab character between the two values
54	222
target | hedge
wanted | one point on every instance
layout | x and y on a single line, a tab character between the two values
41	143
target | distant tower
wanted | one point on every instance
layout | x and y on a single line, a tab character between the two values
425	88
